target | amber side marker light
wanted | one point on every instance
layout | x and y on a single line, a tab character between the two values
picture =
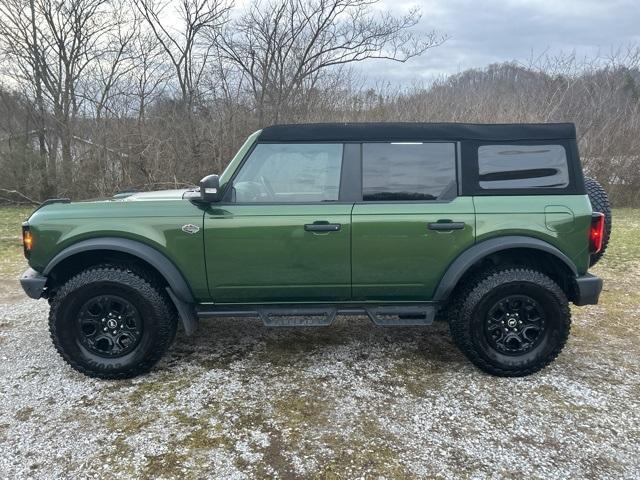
27	240
596	232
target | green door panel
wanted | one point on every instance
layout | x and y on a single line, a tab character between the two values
563	221
396	257
262	253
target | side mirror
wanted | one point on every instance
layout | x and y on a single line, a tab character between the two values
210	189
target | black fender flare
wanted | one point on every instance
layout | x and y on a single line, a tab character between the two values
178	289
477	252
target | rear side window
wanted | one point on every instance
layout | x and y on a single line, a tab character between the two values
522	166
407	171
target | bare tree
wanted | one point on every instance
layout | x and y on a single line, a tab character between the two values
20	44
73	34
182	44
150	74
284	46
186	52
115	60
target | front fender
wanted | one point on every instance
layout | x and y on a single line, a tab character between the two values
153	257
159	225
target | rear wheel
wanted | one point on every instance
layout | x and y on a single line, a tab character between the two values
110	322
510	322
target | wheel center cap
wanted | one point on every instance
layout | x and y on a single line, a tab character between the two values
512	322
112	323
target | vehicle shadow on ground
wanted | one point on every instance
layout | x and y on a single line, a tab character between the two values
219	343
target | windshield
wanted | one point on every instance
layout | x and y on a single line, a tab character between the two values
233	165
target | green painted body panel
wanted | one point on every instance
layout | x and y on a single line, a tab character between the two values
563	221
262	253
396	257
156	223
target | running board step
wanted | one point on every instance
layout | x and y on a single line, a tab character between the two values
297	317
322	316
391	316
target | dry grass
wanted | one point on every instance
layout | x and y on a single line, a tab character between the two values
12	262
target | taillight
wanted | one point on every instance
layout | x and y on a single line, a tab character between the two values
596	232
27	240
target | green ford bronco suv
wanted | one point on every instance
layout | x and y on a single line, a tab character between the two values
490	227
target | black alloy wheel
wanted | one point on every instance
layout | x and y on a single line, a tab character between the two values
109	326
515	325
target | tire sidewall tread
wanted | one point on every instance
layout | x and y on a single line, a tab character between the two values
599	203
466	327
158	316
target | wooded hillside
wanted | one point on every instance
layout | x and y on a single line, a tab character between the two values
100	96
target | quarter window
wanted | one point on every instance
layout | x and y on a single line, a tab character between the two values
522	166
289	173
408	171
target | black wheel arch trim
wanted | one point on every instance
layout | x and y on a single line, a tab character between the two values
178	288
480	250
144	252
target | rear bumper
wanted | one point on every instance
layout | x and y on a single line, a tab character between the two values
33	283
588	291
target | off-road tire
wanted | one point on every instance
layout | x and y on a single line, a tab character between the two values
470	307
156	314
599	203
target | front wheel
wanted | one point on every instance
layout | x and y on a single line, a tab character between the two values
109	322
511	322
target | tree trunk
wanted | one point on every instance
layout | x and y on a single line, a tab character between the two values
52	164
67	161
45	189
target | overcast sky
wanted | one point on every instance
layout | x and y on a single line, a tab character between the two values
486	31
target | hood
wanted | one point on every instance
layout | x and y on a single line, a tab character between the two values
121	197
123	205
156	195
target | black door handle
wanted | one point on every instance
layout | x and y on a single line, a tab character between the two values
445	225
322	227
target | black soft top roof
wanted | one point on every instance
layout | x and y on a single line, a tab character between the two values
405	131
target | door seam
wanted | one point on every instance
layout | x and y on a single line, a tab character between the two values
351	252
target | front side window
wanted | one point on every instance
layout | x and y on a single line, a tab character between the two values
290	173
522	166
407	171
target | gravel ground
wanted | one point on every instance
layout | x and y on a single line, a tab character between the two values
351	400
